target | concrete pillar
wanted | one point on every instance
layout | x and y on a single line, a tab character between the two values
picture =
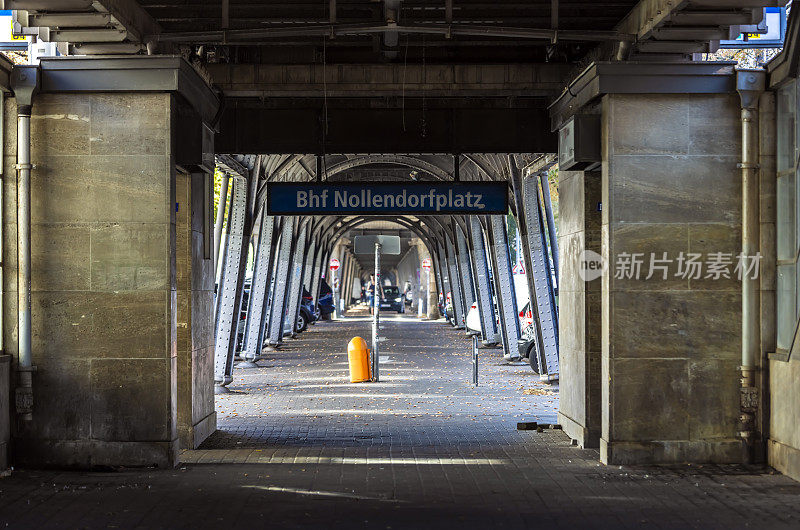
579	307
195	299
671	347
105	284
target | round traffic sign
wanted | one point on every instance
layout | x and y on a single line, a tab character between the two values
426	264
334	264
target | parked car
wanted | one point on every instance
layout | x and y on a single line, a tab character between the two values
325	303
391	299
306	313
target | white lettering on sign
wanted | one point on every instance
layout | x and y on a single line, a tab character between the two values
366	199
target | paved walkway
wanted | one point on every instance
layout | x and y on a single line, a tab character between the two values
301	447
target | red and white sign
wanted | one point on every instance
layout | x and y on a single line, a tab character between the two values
334	264
519	268
426	264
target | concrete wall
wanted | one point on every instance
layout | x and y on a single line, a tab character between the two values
670	348
5	410
579	307
104	291
195	299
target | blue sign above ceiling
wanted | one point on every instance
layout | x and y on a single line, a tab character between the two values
387	198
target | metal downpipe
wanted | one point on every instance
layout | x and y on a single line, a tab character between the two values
25	83
750	84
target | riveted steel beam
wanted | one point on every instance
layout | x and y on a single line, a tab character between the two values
465	273
278	300
484	292
504	286
230	286
296	281
541	274
456	293
262	276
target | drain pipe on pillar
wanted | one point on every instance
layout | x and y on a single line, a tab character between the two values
25	84
750	85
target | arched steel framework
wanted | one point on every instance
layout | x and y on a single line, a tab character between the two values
291	254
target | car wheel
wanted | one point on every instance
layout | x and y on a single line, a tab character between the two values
532	358
302	323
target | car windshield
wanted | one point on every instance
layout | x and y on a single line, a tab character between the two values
391	292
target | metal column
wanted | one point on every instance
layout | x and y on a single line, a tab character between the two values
296	282
257	310
542	277
484	291
308	268
455	285
278	302
551	223
504	286
230	287
316	273
465	267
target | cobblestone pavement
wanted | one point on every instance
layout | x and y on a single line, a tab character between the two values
301	447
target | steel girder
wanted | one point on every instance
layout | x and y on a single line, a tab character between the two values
278	299
230	289
296	281
320	259
262	275
455	285
541	273
551	223
466	274
504	286
484	292
537	359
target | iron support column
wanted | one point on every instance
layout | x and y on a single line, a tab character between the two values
551	223
230	287
484	291
455	286
296	283
257	306
278	302
544	299
504	287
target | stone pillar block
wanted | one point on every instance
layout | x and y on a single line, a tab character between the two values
579	307
106	282
671	344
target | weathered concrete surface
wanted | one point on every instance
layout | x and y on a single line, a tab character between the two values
195	299
103	282
671	346
579	307
5	409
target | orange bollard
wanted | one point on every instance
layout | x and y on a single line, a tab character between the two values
358	355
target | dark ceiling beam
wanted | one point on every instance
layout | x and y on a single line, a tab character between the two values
246	35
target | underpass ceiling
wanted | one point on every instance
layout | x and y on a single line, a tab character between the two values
380	32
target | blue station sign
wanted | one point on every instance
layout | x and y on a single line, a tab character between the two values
387	198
